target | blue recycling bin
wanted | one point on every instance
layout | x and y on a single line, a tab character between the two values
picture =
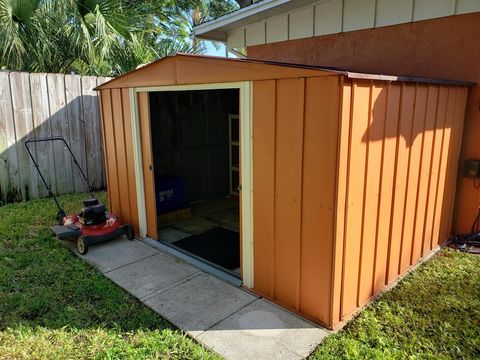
170	193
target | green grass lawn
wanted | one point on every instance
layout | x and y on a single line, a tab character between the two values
53	305
434	313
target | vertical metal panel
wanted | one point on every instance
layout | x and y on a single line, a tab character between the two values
374	137
442	173
415	152
147	159
120	151
318	196
458	114
423	197
110	153
400	179
386	185
132	192
359	114
264	184
340	204
435	168
288	189
400	191
295	151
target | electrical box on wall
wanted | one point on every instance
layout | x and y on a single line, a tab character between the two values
471	169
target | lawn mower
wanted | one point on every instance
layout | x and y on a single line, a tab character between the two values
93	224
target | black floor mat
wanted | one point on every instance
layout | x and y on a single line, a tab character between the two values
219	246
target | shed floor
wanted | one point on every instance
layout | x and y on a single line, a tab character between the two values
227	319
206	215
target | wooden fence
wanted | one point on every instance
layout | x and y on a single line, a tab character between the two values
45	105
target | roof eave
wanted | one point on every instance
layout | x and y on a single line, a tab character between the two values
218	29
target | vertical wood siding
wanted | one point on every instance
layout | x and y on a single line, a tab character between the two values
46	105
295	146
118	145
402	146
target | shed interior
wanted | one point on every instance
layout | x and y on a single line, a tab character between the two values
195	148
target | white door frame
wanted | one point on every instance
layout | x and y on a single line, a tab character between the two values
246	145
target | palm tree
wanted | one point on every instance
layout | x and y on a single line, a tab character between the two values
15	19
101	37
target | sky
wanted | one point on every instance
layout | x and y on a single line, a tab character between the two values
216	52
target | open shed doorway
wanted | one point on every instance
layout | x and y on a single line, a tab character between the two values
196	153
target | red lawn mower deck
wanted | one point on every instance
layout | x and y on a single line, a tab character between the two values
93	224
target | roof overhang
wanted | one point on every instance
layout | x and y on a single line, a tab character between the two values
218	29
189	69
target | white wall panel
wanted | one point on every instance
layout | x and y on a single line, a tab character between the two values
301	24
335	16
391	12
328	17
277	29
358	14
467	6
255	34
236	38
428	9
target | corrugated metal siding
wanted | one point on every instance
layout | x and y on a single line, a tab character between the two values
147	164
354	182
118	147
295	146
399	154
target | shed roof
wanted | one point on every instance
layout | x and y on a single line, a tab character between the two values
185	69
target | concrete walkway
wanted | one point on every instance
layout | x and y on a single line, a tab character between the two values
229	320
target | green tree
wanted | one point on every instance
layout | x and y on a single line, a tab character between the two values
101	37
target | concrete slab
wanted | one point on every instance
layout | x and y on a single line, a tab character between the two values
198	304
113	254
263	330
152	275
229	320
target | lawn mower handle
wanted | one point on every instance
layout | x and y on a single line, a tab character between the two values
61	212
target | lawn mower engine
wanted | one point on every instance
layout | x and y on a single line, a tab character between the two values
92	213
91	226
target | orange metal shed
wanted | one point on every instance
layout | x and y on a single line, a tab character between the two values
352	175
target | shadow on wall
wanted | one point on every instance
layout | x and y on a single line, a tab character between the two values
411	110
46	105
403	147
